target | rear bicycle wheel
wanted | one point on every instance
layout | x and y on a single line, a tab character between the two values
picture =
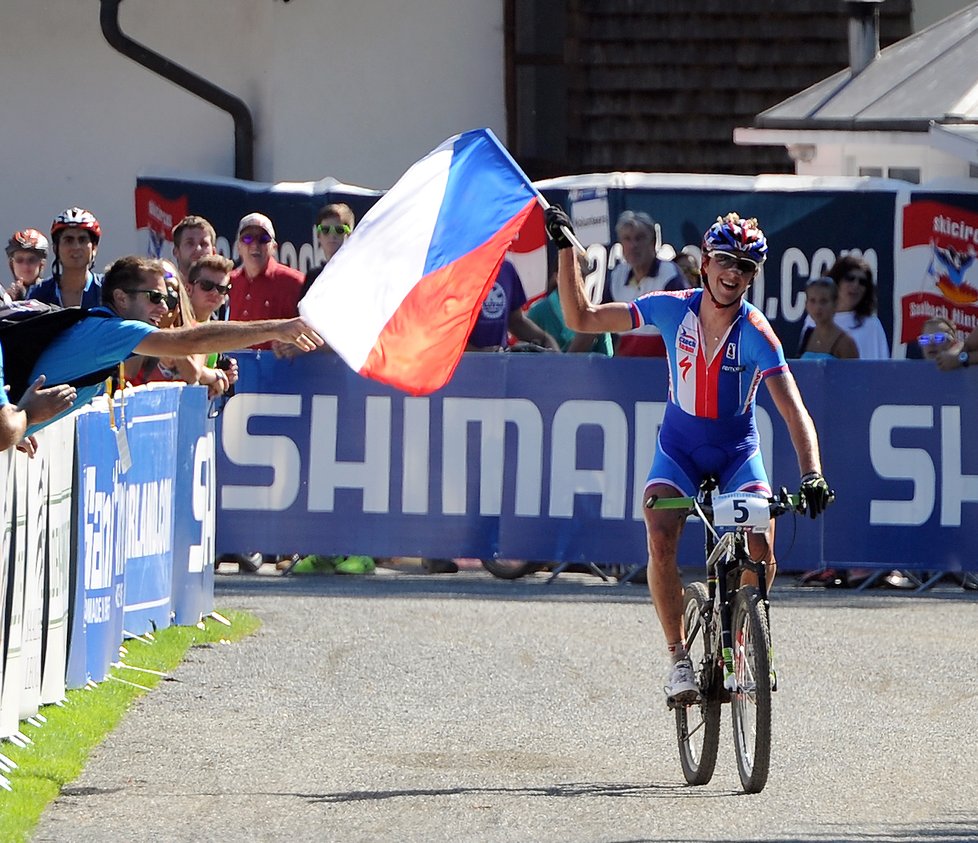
698	725
750	703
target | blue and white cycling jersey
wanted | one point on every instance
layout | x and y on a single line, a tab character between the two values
708	428
726	385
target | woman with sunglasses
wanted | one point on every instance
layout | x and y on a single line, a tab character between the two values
856	311
192	369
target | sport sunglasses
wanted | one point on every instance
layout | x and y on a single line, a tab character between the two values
724	260
333	229
208	286
263	238
937	338
155	297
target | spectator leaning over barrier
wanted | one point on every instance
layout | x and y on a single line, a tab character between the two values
939	343
262	288
27	253
75	235
135	301
193	238
949	354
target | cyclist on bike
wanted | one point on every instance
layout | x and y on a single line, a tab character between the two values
720	348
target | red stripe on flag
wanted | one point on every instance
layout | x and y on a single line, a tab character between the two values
422	342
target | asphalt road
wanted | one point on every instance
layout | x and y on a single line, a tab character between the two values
413	707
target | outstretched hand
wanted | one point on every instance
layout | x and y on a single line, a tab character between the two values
299	334
815	493
42	403
555	220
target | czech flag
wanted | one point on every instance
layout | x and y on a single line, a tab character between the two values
397	302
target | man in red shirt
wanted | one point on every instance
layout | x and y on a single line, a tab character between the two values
262	288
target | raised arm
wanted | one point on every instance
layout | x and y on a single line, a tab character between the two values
209	337
579	313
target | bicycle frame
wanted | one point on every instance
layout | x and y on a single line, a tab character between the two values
727	558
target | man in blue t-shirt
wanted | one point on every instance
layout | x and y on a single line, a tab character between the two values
720	348
502	314
134	300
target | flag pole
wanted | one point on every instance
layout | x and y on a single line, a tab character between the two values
570	235
540	197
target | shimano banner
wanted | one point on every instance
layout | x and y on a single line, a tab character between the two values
544	457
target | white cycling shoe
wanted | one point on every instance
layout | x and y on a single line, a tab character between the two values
681	689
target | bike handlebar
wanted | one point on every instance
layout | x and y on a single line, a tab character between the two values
778	506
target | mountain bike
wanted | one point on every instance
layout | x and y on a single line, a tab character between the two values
728	635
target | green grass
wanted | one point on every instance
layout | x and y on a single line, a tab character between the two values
62	744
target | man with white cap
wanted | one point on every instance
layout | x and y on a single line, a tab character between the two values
262	288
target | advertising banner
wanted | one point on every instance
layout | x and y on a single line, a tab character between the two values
193	514
808	227
161	202
7	514
537	457
13	666
938	274
58	440
149	488
35	592
101	548
544	457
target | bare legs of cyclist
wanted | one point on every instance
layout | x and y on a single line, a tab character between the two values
663	528
761	548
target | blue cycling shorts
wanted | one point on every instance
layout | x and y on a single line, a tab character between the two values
690	448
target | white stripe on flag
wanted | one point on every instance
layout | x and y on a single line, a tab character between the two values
391	242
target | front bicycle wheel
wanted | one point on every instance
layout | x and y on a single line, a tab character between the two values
698	724
751	701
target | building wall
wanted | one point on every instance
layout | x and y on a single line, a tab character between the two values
847	159
357	91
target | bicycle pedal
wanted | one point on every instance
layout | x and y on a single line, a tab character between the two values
684	699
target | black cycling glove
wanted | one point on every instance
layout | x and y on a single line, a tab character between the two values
816	494
556	218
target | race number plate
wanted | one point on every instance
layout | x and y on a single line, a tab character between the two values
740	509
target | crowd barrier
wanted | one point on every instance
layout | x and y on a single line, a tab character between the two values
544	457
95	550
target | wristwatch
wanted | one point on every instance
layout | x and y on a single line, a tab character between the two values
964	358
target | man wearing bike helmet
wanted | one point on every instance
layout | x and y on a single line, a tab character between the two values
75	234
27	252
719	349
